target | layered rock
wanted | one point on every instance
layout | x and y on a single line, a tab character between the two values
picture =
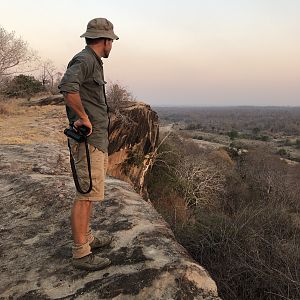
134	133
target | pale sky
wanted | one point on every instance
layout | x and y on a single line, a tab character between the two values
205	52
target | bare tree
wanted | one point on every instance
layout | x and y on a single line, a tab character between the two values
200	179
265	174
49	76
14	54
117	95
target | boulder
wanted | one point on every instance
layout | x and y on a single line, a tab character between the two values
134	131
50	100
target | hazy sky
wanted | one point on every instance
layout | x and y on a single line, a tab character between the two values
205	52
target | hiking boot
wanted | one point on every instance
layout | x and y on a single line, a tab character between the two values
91	262
100	242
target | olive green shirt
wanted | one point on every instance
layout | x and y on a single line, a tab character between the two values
84	75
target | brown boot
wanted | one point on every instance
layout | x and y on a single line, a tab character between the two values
100	242
91	262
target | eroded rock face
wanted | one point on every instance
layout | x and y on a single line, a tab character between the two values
36	195
133	137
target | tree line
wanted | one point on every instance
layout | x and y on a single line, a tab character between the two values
17	64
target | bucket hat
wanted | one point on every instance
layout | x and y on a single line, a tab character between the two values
100	28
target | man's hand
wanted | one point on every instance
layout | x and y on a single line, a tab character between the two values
74	101
86	122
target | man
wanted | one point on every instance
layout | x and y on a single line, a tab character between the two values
83	88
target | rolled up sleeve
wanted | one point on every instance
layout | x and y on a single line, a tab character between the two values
74	77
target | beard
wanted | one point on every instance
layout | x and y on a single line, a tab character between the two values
106	53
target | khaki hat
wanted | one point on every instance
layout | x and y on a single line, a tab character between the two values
100	28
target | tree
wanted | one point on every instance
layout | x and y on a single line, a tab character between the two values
23	86
49	76
116	94
201	181
233	134
256	130
14	53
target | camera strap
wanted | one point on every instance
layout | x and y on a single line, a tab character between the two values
72	162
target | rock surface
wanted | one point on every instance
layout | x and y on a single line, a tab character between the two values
134	131
50	100
36	195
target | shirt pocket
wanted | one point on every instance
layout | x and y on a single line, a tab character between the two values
99	81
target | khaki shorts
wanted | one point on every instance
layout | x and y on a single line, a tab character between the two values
99	160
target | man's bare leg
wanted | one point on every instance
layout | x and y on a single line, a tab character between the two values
80	216
88	234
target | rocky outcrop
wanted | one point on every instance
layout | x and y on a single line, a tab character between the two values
134	133
36	194
50	100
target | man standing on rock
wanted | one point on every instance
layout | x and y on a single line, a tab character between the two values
84	92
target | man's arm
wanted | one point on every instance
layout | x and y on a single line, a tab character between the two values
73	101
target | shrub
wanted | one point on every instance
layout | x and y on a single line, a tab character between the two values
253	255
282	152
265	138
23	86
198	137
288	142
233	134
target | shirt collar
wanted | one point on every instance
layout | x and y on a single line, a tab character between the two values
94	53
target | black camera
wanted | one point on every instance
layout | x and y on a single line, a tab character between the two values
78	134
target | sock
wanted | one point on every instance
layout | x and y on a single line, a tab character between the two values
81	250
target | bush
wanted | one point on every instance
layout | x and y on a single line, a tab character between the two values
288	142
198	137
265	138
23	86
282	152
253	255
233	134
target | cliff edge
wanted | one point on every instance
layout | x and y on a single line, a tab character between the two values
36	197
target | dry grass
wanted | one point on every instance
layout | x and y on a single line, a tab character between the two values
9	108
21	124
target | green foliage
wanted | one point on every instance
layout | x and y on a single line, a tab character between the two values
256	130
282	152
233	134
133	159
23	86
198	137
265	138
